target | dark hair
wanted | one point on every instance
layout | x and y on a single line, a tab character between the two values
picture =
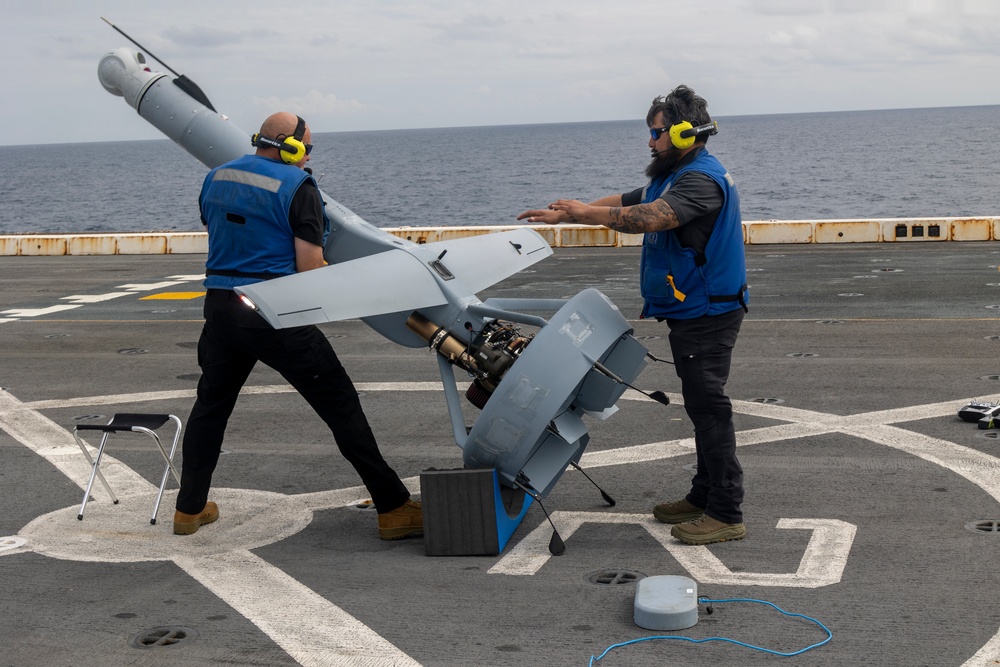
679	105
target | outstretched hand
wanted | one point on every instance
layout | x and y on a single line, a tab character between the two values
547	216
562	210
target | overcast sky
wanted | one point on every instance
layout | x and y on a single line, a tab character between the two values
378	64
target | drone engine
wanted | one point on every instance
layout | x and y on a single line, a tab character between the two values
487	358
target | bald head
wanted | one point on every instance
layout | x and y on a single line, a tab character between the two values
282	123
281	126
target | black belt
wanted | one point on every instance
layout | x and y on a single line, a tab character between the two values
243	274
732	297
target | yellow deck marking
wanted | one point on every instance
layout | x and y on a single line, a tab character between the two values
173	296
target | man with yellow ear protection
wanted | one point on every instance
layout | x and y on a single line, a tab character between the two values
693	276
265	219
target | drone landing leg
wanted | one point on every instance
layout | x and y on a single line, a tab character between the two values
556	545
608	499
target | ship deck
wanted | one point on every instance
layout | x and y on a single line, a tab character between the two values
869	505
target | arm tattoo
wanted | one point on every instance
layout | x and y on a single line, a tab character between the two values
653	217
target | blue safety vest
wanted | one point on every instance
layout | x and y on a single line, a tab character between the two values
681	283
245	205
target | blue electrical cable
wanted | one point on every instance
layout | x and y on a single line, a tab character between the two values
829	635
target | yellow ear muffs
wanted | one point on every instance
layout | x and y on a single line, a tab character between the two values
675	135
290	144
293	149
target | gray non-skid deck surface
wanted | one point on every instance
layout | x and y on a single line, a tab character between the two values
861	482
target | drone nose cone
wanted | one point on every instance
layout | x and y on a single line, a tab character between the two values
124	73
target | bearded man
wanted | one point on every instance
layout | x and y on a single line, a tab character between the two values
693	277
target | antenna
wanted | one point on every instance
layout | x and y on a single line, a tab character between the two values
657	395
141	47
182	82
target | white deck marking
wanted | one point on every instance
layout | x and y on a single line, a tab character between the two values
94	298
13	545
311	629
82	299
979	468
187	278
37	312
148	287
110	399
57	446
328	500
987	656
829	537
822	563
147	396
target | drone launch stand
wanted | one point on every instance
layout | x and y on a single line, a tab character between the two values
468	513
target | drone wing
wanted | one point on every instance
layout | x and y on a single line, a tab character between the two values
400	279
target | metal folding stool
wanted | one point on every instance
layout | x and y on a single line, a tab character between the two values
138	423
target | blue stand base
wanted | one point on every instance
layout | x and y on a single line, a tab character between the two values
468	513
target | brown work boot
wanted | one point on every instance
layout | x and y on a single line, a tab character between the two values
678	511
706	530
188	524
407	520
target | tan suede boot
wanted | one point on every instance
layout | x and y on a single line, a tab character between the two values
407	520
706	530
678	511
188	524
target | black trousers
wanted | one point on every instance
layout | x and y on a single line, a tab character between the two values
233	340
703	350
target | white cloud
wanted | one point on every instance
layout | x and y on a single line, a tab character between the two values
800	35
786	7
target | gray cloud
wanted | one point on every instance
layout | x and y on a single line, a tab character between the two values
437	63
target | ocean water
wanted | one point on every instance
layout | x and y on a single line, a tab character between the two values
859	164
